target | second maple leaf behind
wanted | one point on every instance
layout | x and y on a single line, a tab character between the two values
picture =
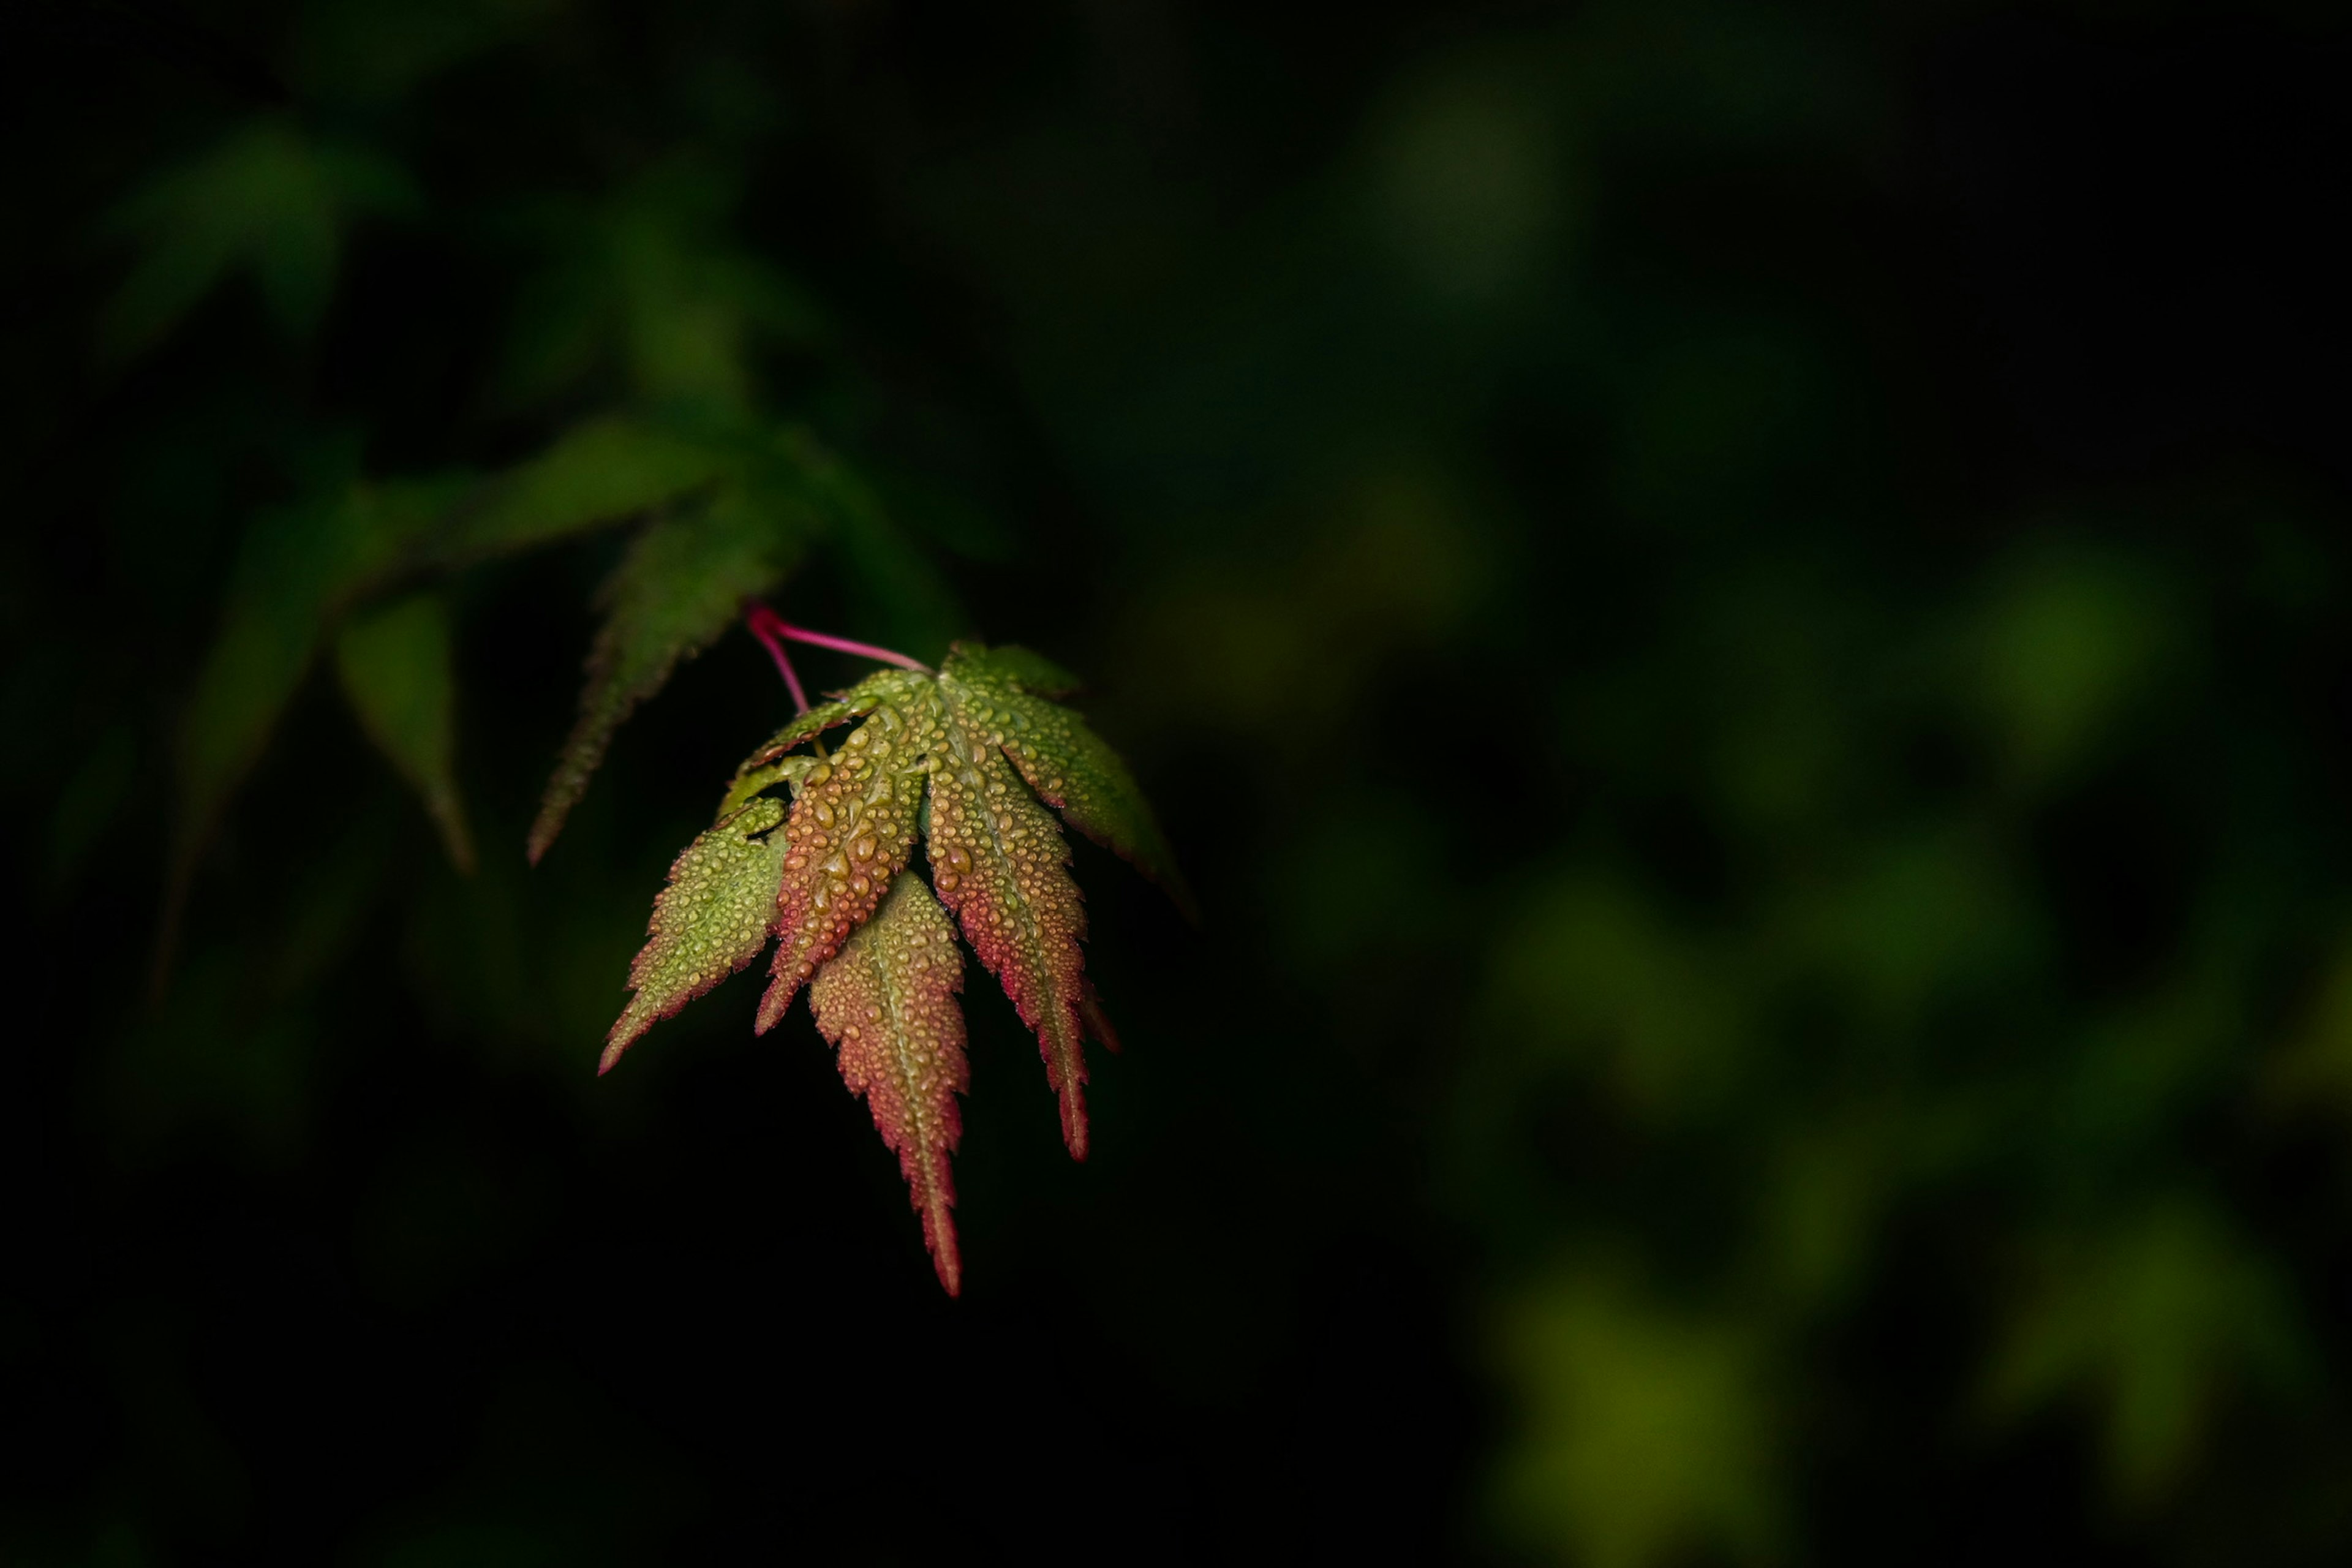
813	851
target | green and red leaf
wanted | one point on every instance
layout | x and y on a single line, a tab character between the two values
1011	664
1066	763
886	1003
854	703
710	921
851	832
1000	864
964	756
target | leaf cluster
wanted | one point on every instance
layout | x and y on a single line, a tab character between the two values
639	343
365	570
636	319
967	759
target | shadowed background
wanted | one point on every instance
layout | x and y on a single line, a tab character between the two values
1736	611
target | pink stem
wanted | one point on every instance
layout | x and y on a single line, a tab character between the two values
764	623
843	644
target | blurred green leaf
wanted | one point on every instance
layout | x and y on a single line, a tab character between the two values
2153	1320
1358	881
598	473
1593	972
371	50
93	796
270	199
1476	184
302	566
2069	640
213	1061
2315	1066
682	583
396	664
894	586
1718	419
1823	1192
298	568
1914	919
1645	1435
231	1051
1698	73
649	283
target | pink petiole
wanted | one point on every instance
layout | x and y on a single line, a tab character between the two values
766	624
773	631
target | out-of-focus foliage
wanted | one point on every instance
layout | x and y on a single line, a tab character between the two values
1736	612
395	664
269	200
644	284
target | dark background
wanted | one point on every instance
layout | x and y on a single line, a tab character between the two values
1736	612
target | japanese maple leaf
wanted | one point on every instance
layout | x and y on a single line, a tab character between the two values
974	759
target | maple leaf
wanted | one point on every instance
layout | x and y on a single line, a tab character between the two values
726	511
1066	763
269	198
742	507
395	666
710	921
971	757
298	568
852	829
303	568
1000	868
598	472
646	282
678	587
886	1003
